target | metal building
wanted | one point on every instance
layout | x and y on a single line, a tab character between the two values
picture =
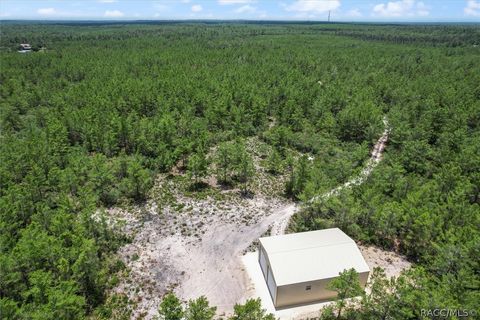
298	267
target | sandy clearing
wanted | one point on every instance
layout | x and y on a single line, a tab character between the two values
207	264
391	262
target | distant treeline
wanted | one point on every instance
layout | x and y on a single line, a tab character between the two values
450	35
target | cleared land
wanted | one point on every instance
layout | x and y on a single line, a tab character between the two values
194	245
201	257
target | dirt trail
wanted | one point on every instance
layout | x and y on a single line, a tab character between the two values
281	225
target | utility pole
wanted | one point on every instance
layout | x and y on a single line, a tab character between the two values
329	15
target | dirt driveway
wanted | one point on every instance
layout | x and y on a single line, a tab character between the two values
202	256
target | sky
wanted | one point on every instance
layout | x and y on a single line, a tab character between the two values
341	10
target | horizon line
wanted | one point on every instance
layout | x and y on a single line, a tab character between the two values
236	20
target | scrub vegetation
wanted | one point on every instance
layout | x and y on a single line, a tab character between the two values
91	121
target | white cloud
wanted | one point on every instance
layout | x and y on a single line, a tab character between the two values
472	8
354	13
113	14
107	1
160	6
197	8
46	11
227	2
401	8
393	9
313	6
422	9
246	9
52	12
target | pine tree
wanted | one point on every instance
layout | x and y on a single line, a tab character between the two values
224	161
299	177
274	162
199	309
243	164
171	308
346	285
197	166
251	310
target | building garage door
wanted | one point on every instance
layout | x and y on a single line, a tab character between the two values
263	263
272	287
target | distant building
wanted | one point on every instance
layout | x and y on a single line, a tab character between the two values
25	46
298	267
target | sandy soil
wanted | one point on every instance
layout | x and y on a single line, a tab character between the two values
194	246
391	262
201	257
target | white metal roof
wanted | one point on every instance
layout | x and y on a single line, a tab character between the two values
309	256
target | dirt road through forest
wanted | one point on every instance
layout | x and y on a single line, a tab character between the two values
281	225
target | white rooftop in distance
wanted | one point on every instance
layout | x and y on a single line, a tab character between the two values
309	256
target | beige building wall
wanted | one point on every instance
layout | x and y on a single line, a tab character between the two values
297	293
